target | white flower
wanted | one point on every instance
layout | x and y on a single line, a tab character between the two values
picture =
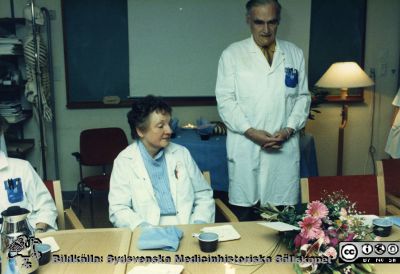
331	252
308	267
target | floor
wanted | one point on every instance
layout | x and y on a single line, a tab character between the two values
101	209
100	214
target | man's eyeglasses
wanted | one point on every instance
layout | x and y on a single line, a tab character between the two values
273	22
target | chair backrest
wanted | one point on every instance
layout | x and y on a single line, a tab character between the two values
226	212
390	170
100	146
207	176
368	191
54	188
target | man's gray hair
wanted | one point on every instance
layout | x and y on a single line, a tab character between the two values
254	3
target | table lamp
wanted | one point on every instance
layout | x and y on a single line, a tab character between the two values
344	75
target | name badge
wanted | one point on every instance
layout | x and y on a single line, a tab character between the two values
291	77
14	190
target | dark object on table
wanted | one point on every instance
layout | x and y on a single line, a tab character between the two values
204	137
45	253
208	241
382	227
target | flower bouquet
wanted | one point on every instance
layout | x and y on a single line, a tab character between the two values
323	225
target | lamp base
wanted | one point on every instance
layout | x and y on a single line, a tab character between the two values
339	167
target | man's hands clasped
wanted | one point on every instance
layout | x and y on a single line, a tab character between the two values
269	141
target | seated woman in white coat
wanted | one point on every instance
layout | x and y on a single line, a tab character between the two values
21	186
154	181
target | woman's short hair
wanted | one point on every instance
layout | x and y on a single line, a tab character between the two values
138	116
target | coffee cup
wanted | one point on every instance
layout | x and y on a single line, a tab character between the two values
208	241
382	227
45	253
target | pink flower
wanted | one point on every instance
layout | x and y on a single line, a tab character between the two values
299	241
321	234
317	209
333	237
334	241
331	252
350	237
324	236
310	228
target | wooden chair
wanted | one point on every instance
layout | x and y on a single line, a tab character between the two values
54	188
368	191
389	169
221	206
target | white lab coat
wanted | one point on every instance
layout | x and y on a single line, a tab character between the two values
131	197
393	141
36	197
251	93
3	146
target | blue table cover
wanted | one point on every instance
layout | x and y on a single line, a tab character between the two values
210	155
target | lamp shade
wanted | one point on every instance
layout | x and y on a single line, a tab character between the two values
344	75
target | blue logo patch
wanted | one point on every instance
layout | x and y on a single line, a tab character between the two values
291	77
14	190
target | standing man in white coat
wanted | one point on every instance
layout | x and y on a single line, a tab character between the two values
263	98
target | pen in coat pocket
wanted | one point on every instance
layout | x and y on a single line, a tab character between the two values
176	172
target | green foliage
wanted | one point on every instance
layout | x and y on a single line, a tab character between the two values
318	97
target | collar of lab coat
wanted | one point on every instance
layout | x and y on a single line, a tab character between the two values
3	160
253	47
132	153
279	55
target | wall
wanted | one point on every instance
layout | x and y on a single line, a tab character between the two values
382	47
189	42
295	19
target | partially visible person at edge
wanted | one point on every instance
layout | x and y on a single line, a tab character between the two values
154	181
263	98
393	141
21	186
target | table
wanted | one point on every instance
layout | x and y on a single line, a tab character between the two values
211	156
97	242
255	240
